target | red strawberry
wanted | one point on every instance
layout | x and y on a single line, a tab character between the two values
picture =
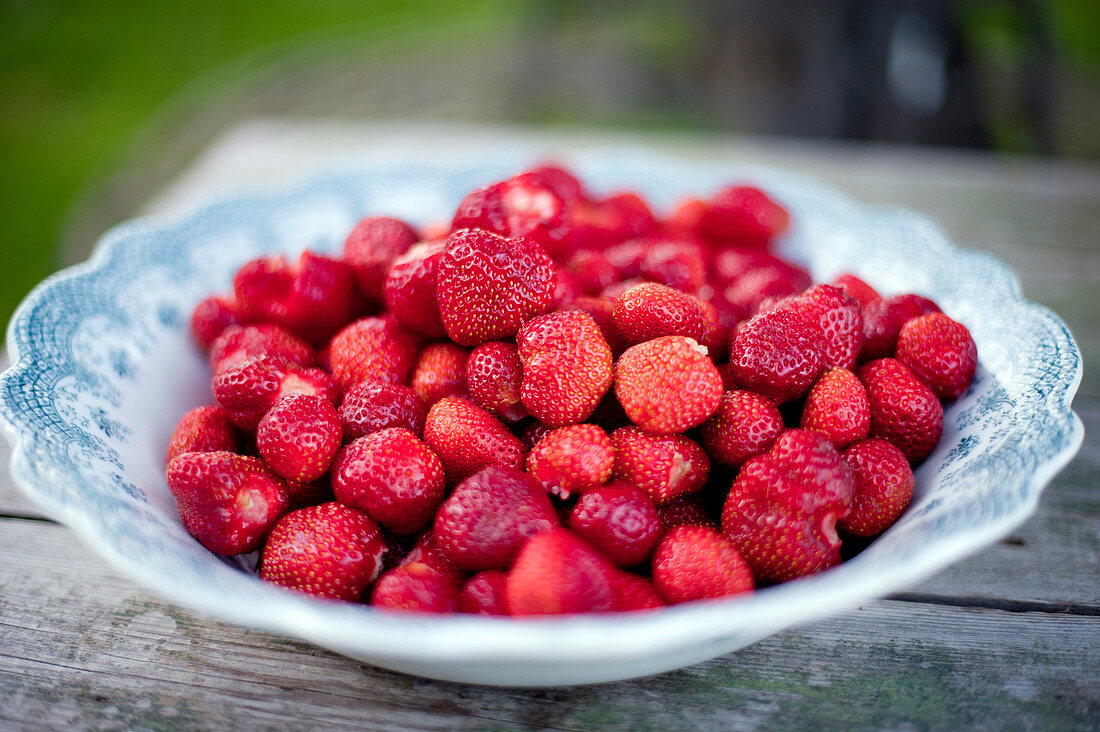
841	321
883	319
593	271
716	332
440	371
393	477
556	573
598	224
903	410
370	406
210	318
650	310
493	375
483	594
203	429
312	299
566	367
619	520
372	349
678	263
310	493
664	466
696	563
237	344
857	288
533	434
488	516
602	310
248	389
743	216
572	459
523	205
488	285
778	353
329	551
299	437
409	289
414	588
667	384
627	259
837	407
745	424
941	352
567	289
631	592
884	486
560	180
685	511
782	509
371	248
745	294
228	502
467	438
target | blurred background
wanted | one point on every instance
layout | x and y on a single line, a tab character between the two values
105	101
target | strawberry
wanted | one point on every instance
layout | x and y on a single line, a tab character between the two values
593	271
567	288
664	466
488	285
494	374
299	437
883	319
572	459
841	321
884	486
619	520
409	289
560	180
414	588
393	477
248	389
203	429
745	424
650	310
782	509
312	299
779	354
488	516
685	511
696	563
328	550
228	502
743	216
370	407
484	594
857	288
524	205
210	318
555	573
371	248
598	224
716	332
667	384
533	433
941	352
566	367
426	551
631	592
837	407
678	263
602	310
440	371
903	409
745	294
372	349
467	438
627	259
237	344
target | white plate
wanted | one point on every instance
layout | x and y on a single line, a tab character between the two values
103	367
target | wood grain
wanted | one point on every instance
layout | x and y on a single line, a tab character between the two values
100	652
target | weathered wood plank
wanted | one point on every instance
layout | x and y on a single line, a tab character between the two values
103	653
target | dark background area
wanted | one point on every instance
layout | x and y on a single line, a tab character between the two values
105	101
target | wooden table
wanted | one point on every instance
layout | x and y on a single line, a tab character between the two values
1007	638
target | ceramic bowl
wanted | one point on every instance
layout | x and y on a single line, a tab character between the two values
103	366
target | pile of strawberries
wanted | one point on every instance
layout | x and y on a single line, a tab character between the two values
558	403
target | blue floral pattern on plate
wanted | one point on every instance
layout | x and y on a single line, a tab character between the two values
103	366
